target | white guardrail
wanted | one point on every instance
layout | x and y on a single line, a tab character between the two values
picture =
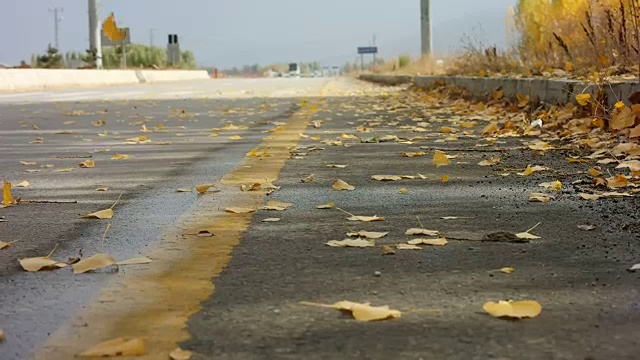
41	79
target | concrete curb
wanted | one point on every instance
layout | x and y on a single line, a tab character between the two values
546	91
12	80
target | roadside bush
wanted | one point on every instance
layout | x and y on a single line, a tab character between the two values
404	61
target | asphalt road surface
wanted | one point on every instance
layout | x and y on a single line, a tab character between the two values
229	285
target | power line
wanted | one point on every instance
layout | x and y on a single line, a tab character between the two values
57	19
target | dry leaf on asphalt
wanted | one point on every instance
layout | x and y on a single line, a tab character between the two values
184	190
235	137
413	154
491	162
432	242
362	312
507	270
632	165
583	99
201	189
366	218
179	354
359	243
388	250
94	262
66	170
554	185
28	163
590	196
444	179
116	347
240	210
2	336
23	184
134	261
337	166
41	263
403	191
330	205
539	197
87	164
4	245
368	234
635	267
440	159
422	232
513	309
531	169
120	157
7	198
386	177
277	205
408	247
587	227
102	214
271	220
340	185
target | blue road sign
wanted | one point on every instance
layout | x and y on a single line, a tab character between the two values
368	50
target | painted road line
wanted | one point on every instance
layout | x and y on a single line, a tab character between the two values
155	302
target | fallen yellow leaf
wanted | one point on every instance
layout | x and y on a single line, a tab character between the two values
368	234
386	177
555	185
539	197
583	99
440	159
201	189
359	243
340	185
179	354
403	191
238	210
102	214
513	309
507	270
41	263
432	242
87	164
491	162
94	262
120	157
366	218
490	129
134	261
7	198
413	154
422	232
116	347
362	312
408	247
330	205
444	179
23	184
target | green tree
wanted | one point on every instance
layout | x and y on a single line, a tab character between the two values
51	60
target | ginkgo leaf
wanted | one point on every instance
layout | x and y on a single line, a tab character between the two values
271	220
362	312
527	236
426	232
7	198
201	189
179	354
531	169
594	172
138	140
277	206
408	247
340	185
587	227
240	210
622	118
583	99
403	191
28	163
66	170
490	129
41	263
116	347
555	185
4	245
507	270
388	250
184	190
432	242
491	162
23	184
368	234
386	177
635	267
413	154
337	166
120	157
440	159
330	205
513	309
87	164
235	137
366	218
135	261
102	214
359	243
632	165
95	262
444	179
539	197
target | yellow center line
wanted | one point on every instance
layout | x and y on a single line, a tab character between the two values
155	301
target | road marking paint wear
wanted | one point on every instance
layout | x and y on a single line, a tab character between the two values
154	302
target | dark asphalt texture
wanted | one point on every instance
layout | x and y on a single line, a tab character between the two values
591	304
35	304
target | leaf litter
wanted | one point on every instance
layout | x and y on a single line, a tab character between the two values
361	312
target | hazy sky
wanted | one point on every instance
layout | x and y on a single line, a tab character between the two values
227	33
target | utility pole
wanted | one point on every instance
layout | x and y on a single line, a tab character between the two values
425	15
57	19
95	40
